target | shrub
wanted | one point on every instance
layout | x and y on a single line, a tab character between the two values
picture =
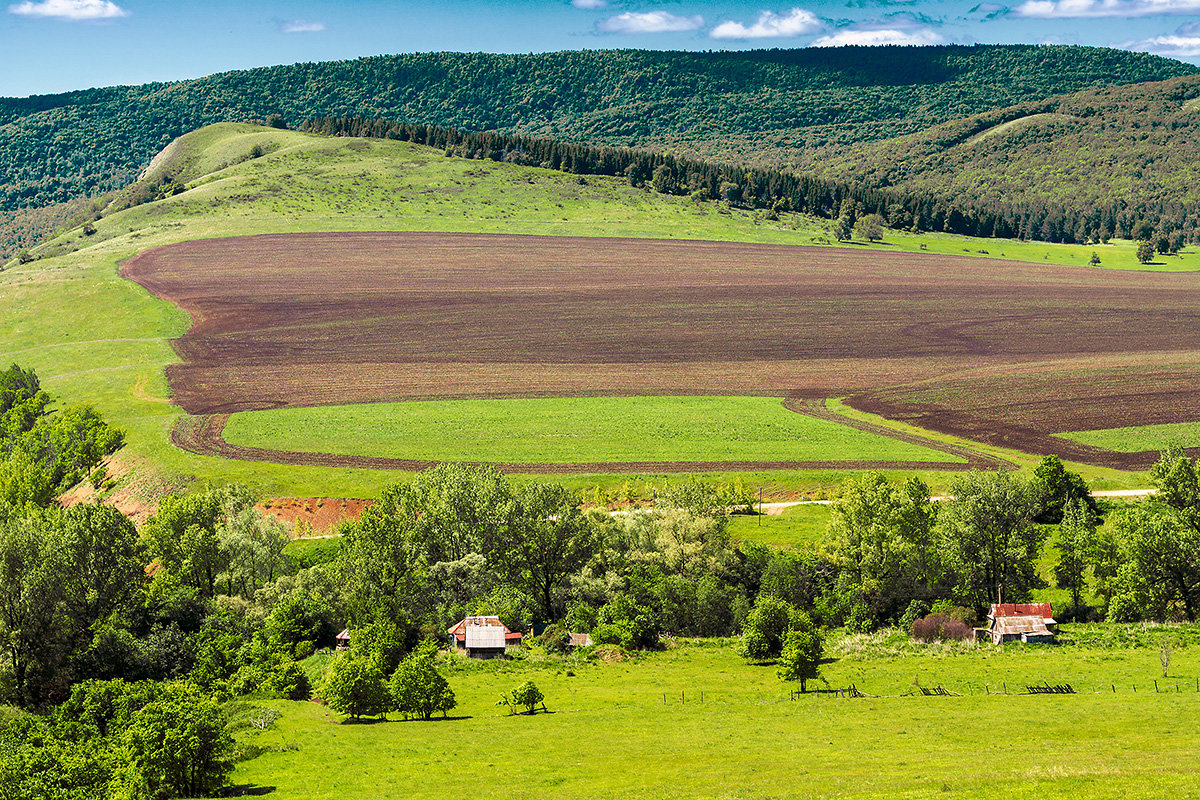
616	633
527	695
289	681
960	613
940	627
916	609
556	639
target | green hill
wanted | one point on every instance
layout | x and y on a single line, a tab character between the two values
772	106
95	337
1114	154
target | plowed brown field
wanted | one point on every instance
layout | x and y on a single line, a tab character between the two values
991	350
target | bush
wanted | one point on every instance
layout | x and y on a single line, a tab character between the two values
963	614
916	609
355	687
527	695
940	627
288	681
616	633
556	639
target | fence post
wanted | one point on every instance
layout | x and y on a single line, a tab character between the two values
1156	687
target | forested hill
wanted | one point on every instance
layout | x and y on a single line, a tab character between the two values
768	106
1093	152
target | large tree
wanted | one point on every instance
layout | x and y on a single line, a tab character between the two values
1076	545
990	538
1159	576
550	540
417	688
882	538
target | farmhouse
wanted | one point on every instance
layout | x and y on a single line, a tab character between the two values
1026	622
482	637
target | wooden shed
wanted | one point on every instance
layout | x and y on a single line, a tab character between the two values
482	637
343	640
1026	622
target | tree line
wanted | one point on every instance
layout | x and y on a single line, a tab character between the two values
784	190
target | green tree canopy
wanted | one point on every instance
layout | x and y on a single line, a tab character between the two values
355	687
990	538
417	688
800	657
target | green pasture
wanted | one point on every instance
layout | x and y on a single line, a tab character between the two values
1138	438
570	430
697	721
801	527
94	337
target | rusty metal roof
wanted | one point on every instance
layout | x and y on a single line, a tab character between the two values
461	626
1042	610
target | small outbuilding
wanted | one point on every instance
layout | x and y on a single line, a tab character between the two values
343	640
1026	622
482	637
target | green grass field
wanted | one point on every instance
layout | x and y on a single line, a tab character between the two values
798	526
570	430
1137	438
94	337
639	728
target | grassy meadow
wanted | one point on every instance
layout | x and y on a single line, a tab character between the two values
639	727
570	430
1140	437
800	527
94	337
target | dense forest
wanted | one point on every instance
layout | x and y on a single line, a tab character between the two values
773	107
1104	154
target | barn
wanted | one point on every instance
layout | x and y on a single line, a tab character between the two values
482	637
1026	622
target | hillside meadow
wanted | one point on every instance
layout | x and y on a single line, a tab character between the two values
696	720
109	343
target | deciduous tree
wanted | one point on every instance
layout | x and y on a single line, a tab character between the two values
417	688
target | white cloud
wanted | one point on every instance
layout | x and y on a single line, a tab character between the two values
1172	44
649	22
1056	9
301	26
74	10
1183	43
589	5
879	36
796	22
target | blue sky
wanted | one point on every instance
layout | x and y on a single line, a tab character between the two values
59	45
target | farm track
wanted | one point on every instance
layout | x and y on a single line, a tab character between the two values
999	352
815	407
203	435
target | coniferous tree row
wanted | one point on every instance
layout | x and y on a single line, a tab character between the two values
778	190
